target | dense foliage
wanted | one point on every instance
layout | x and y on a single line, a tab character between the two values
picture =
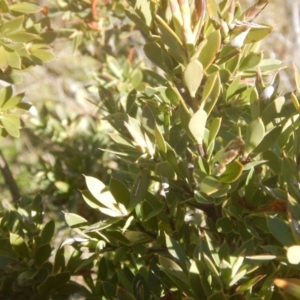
194	192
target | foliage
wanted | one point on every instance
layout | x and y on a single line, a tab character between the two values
211	155
26	272
205	201
24	40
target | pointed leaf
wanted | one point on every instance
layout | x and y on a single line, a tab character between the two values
25	7
197	125
210	49
250	61
11	124
154	52
272	110
170	38
192	75
119	191
177	252
281	231
269	140
254	135
209	85
139	189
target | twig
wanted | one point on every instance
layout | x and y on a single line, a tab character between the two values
9	179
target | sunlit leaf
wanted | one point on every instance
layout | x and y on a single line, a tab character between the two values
11	124
197	125
192	75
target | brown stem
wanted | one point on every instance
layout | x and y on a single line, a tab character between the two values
8	178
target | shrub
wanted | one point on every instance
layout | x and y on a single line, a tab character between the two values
207	204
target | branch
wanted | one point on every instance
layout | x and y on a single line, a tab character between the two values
8	178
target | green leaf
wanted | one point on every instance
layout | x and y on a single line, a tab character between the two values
3	59
257	33
48	232
227	53
13	58
154	52
237	263
124	294
250	283
213	269
12	26
12	102
210	49
134	129
175	273
138	21
210	185
217	296
273	110
105	197
75	221
4	7
5	94
209	85
42	55
177	252
250	61
185	118
268	65
19	246
281	231
11	124
139	189
224	225
148	121
165	169
42	254
21	37
214	129
254	135
192	75
160	141
197	125
232	173
211	101
25	7
254	104
233	87
237	277
268	141
59	261
170	38
137	237
119	191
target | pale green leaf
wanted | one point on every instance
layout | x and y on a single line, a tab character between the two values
192	75
197	125
11	124
25	7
